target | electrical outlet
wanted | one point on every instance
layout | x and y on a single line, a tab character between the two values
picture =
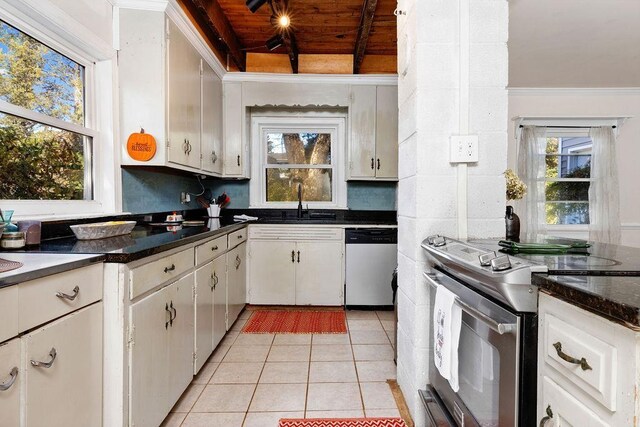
463	149
184	198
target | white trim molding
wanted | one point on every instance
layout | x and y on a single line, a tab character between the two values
569	91
347	79
153	5
630	226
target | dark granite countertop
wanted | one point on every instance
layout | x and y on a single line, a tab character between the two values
37	265
148	239
614	297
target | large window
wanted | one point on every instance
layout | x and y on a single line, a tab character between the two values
567	179
297	154
45	148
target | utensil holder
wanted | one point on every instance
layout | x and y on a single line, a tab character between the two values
213	211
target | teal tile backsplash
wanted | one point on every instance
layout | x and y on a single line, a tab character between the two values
152	191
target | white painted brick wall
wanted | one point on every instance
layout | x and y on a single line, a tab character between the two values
429	107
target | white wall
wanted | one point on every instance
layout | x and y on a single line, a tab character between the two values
445	87
620	102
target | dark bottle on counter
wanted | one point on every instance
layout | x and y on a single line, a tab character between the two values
512	225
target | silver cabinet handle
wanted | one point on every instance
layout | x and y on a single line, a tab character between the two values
168	269
48	364
4	386
238	261
166	309
76	291
214	281
549	416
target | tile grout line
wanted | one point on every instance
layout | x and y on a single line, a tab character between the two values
355	366
255	389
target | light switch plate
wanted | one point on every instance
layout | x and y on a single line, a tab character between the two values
464	149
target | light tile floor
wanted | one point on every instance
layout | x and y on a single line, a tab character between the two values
253	380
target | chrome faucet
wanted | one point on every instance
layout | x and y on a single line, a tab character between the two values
299	200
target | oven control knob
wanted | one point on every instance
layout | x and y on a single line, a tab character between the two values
485	259
431	238
439	241
501	263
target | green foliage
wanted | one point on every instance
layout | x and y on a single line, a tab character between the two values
38	161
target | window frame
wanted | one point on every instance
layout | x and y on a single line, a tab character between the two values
581	230
334	123
98	84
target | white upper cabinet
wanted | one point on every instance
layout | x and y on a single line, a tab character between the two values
235	161
170	91
373	146
211	137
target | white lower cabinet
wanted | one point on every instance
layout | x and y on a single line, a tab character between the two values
63	371
161	351
211	309
10	382
236	282
303	267
584	366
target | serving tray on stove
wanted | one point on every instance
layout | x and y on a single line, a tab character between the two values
543	248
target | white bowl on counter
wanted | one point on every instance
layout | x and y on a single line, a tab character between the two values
102	230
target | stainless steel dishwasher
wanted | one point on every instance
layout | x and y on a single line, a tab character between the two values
371	258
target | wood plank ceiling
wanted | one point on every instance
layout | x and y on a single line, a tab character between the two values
324	35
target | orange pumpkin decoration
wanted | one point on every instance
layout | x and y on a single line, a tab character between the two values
141	146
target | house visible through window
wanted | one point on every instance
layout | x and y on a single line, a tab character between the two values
297	152
567	179
45	146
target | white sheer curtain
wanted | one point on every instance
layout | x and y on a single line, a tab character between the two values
604	197
532	148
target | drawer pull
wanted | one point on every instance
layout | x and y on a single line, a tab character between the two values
76	291
564	356
238	261
214	248
7	384
298	257
48	364
239	236
293	256
214	281
175	313
166	309
549	416
168	269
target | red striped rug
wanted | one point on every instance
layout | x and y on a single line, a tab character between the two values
342	422
296	322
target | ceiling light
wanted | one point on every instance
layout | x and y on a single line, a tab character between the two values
274	42
254	5
284	21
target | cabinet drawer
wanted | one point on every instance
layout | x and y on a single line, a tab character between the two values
11	377
597	374
211	249
237	237
150	275
44	299
566	409
9	310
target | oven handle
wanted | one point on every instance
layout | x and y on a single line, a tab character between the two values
500	328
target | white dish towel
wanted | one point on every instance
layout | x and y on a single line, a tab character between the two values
447	321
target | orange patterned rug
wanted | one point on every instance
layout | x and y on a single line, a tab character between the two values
296	322
342	422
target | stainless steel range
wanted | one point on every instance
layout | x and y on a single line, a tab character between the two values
497	344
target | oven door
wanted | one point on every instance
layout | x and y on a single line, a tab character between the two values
488	359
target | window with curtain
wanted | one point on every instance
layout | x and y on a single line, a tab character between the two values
571	175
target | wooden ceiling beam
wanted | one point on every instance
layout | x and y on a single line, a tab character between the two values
211	18
366	20
289	38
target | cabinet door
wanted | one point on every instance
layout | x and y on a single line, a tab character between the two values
148	360
205	287
219	269
10	383
236	282
180	344
319	273
387	132
211	120
272	272
362	113
566	409
233	149
63	374
183	99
